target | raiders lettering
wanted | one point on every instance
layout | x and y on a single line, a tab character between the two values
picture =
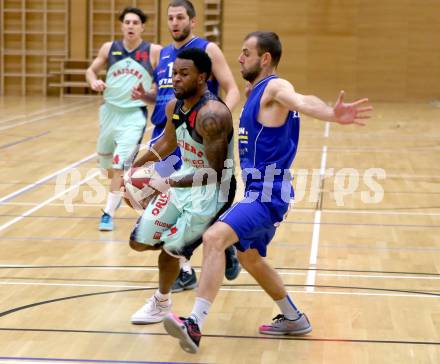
127	71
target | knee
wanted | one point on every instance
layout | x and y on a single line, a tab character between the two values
214	242
138	246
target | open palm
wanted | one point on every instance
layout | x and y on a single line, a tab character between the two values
351	113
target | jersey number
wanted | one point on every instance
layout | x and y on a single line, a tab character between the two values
170	69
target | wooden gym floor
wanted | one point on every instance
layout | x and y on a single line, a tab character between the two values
366	272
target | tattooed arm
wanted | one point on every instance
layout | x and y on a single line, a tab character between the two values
214	124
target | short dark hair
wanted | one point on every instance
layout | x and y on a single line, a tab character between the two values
268	42
133	10
188	5
200	58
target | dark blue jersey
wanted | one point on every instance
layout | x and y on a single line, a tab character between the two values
141	54
163	77
266	152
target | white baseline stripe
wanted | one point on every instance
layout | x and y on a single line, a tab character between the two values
48	110
296	210
44	117
380	212
311	275
47	178
39	206
285	273
414	295
315	239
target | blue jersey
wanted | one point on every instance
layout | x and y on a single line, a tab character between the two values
266	150
163	77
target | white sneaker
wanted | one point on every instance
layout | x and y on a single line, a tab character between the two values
152	312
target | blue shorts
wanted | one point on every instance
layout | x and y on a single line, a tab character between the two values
170	164
255	222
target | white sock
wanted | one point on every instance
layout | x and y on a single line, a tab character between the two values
288	309
162	297
185	265
113	200
200	311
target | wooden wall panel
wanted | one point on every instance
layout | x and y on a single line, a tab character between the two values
382	53
295	46
239	19
78	29
384	49
424	51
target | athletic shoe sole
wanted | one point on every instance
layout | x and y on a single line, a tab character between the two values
178	330
292	333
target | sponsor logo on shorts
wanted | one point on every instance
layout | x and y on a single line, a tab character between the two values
160	203
157	235
172	231
162	224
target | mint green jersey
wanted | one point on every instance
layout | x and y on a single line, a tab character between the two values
125	70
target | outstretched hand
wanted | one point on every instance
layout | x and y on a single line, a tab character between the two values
351	113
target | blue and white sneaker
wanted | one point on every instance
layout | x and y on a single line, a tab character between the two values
106	223
184	281
233	267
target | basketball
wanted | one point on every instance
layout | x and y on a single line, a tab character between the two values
136	188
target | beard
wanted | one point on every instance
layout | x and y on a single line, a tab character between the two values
252	73
184	94
185	33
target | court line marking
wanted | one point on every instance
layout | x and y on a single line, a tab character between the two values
140	288
287	269
311	275
379	225
45	179
330	223
294	210
43	117
48	110
23	360
44	203
4	146
222	336
55	174
155	270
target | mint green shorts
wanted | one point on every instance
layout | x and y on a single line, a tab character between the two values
178	218
120	132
